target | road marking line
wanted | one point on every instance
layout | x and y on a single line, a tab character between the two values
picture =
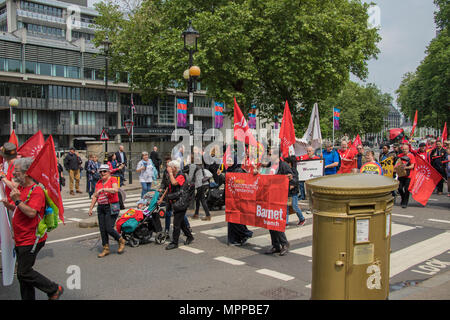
221	232
396	229
72	238
437	220
190	249
275	274
230	261
291	235
76	205
308	286
402	215
433	199
419	252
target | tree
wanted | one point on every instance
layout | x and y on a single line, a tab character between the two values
262	52
363	109
426	90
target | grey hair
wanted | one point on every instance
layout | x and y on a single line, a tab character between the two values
175	164
327	144
23	163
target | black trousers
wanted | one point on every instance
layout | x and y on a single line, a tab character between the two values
403	189
178	225
200	197
278	239
106	223
29	279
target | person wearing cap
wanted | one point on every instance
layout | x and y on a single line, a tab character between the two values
9	153
422	152
106	194
72	164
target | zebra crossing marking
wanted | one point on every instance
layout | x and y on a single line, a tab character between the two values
275	274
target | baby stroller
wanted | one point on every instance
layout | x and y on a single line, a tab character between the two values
140	232
215	197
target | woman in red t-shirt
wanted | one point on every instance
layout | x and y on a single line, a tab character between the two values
106	194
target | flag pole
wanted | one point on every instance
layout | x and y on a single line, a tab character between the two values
332	121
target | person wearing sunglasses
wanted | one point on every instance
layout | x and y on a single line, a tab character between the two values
106	194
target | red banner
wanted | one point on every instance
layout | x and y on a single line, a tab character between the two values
257	200
287	132
424	181
13	139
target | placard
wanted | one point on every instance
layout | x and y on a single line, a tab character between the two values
362	230
7	243
310	169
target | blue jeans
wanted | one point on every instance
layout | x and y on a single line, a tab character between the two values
296	208
168	216
146	186
301	185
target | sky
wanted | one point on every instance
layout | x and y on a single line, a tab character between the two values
406	28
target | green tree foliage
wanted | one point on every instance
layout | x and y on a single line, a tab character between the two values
262	52
427	89
363	109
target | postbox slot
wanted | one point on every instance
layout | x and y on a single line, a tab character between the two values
361	208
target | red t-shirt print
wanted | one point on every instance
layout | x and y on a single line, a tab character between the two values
23	226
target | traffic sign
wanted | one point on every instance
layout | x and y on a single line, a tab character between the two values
104	136
128	124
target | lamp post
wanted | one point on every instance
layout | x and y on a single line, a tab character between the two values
13	102
190	36
106	45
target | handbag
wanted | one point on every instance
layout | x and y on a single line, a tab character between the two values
115	208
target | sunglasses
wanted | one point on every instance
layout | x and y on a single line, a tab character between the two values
103	171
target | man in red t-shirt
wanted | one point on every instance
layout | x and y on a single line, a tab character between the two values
29	209
347	155
409	161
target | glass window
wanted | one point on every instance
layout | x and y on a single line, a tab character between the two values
2	64
99	75
45	69
88	73
60	94
59	70
166	110
73	72
13	65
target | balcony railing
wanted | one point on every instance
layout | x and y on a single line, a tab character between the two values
39	16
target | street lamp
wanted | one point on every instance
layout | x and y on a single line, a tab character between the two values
106	47
13	102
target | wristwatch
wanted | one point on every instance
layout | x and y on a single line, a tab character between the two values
17	202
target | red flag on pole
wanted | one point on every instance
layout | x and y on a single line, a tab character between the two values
13	139
44	169
32	146
241	130
287	132
424	181
444	133
414	125
355	144
225	156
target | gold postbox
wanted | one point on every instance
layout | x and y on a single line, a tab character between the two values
351	236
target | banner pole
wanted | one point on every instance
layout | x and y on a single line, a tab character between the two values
332	122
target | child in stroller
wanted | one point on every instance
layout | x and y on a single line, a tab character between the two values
138	225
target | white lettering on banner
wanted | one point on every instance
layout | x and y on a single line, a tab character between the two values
433	266
374	280
269	214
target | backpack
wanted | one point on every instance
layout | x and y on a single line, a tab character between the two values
50	220
184	196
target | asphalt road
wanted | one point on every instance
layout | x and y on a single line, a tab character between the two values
210	269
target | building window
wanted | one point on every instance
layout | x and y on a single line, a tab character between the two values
82	118
58	70
13	65
2	64
73	72
166	110
45	69
88	73
27	117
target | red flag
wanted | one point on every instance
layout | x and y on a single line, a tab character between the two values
32	146
414	125
241	129
424	181
44	169
355	143
287	132
13	139
225	156
444	133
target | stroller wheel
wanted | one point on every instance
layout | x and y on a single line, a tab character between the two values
160	238
133	242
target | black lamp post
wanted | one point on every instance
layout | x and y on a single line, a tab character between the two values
106	45
190	36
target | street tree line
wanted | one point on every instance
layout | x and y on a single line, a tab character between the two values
261	52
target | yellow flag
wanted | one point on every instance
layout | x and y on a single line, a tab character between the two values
388	167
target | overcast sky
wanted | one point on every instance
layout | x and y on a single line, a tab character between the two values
406	28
